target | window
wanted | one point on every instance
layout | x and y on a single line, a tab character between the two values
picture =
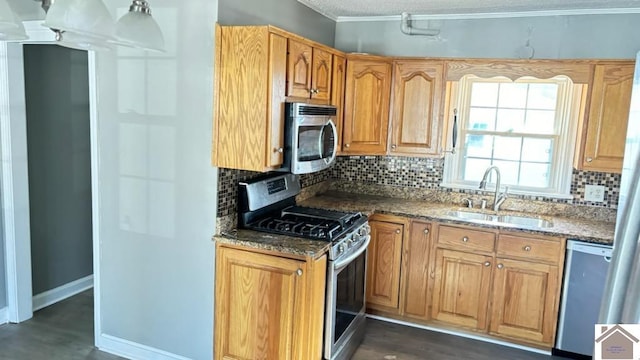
524	127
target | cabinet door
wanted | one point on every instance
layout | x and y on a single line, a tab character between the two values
461	288
608	117
278	83
415	271
321	75
366	117
337	93
525	301
417	104
257	300
383	264
300	67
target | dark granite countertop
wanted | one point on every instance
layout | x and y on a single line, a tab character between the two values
272	242
585	230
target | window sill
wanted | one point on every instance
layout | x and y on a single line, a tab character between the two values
532	194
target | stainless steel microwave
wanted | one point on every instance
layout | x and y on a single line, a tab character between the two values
311	138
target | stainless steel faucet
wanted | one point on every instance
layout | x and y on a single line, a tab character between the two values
498	199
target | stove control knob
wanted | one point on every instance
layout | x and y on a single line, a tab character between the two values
350	243
340	249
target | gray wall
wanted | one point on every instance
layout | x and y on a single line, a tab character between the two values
552	37
3	275
57	94
289	15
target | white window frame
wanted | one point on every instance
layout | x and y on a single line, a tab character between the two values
568	112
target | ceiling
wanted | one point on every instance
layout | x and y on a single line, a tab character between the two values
337	9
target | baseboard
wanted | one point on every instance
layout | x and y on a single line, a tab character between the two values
4	315
461	334
131	350
60	293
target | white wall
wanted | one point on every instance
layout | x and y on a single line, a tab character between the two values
552	37
157	189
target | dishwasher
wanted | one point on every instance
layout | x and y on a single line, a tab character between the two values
586	267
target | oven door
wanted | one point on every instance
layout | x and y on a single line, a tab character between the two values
345	305
314	144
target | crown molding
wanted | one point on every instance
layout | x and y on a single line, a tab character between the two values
499	15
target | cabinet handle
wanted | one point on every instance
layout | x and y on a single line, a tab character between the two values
393	147
487	263
299	272
465	239
500	266
397	231
426	231
589	159
278	150
346	145
527	248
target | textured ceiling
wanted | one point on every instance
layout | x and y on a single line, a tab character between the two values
347	8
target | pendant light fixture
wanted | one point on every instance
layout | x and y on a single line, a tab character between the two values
138	29
11	27
90	20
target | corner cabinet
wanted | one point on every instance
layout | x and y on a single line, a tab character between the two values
366	115
267	306
337	94
416	115
250	80
608	114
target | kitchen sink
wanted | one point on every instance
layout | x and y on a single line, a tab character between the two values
506	220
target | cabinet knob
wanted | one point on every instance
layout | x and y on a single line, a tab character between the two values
346	145
465	239
278	150
487	263
500	266
397	231
426	231
393	147
314	91
527	248
299	272
589	159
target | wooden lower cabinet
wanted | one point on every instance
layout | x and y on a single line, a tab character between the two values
267	306
416	250
524	301
383	264
461	288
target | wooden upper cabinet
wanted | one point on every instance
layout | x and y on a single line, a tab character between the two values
300	68
383	264
608	116
337	93
415	271
250	81
366	116
416	107
310	71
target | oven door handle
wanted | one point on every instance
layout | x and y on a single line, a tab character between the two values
339	265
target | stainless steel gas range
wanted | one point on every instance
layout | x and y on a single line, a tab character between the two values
268	205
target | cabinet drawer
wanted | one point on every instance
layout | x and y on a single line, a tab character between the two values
466	238
529	248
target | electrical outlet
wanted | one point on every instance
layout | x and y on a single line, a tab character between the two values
594	193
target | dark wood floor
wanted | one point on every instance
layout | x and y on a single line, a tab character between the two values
388	341
64	331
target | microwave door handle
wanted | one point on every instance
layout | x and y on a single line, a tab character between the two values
335	142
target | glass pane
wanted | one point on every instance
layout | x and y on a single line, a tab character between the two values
479	145
534	175
474	169
543	96
513	95
507	148
538	150
508	172
540	121
482	119
484	94
510	120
